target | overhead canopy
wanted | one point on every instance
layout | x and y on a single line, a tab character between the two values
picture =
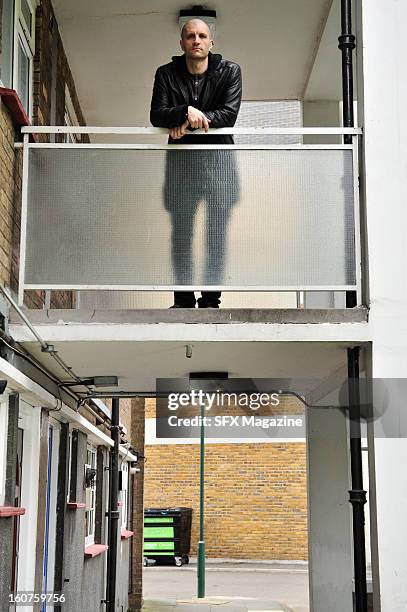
140	346
114	48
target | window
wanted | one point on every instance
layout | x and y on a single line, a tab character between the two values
90	497
124	495
18	48
24	32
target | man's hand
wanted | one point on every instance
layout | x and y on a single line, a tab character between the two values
180	131
197	119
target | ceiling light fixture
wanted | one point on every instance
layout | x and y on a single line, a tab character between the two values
198	12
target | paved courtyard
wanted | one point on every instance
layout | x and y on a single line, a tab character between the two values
235	586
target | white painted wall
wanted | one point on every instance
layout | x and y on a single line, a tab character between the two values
29	421
3	444
385	152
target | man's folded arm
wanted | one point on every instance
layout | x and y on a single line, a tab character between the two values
161	113
226	115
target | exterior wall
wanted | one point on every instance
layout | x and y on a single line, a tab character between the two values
255	496
136	566
122	581
383	90
41	509
51	72
6	524
10	195
83	579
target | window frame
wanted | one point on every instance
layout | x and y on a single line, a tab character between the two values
4	408
90	515
21	33
124	496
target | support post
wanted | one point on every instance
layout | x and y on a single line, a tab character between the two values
113	510
347	45
201	543
357	496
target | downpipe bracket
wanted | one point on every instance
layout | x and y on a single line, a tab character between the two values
357	496
347	41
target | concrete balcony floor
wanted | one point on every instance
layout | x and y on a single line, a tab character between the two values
140	346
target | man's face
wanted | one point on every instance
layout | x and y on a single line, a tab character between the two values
196	41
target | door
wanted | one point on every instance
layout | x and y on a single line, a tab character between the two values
17	503
50	511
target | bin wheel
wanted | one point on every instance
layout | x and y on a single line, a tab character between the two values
178	561
185	559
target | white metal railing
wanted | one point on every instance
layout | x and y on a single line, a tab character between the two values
107	197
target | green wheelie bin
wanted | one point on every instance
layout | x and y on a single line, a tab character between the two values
167	535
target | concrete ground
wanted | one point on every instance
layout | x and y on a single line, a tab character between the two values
238	586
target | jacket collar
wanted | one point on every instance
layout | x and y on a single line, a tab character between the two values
180	65
181	73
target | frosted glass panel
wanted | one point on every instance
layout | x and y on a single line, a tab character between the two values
159	218
270	114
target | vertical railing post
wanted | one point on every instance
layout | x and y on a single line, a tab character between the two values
23	230
347	45
357	495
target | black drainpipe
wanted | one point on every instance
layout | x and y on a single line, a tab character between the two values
114	513
347	45
357	496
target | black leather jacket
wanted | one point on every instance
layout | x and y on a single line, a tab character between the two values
220	101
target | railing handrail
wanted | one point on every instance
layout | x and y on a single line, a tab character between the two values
260	131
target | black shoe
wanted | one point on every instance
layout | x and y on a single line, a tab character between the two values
206	305
181	306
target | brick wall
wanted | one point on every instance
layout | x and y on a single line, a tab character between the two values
10	194
255	494
49	53
136	569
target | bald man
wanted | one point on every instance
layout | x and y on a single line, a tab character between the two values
198	90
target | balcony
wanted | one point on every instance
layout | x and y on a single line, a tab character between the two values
117	217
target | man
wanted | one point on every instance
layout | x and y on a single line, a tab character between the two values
198	90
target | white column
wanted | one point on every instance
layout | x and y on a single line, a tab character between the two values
329	518
384	102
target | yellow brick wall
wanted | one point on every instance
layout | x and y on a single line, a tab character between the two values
256	502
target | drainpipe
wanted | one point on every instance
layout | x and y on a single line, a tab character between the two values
114	513
357	495
347	45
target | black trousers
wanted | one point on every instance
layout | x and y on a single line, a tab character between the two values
192	177
217	218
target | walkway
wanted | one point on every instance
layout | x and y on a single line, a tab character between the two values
230	586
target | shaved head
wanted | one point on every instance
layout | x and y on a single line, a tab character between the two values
196	42
195	22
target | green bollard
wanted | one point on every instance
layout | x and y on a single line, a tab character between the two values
201	543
